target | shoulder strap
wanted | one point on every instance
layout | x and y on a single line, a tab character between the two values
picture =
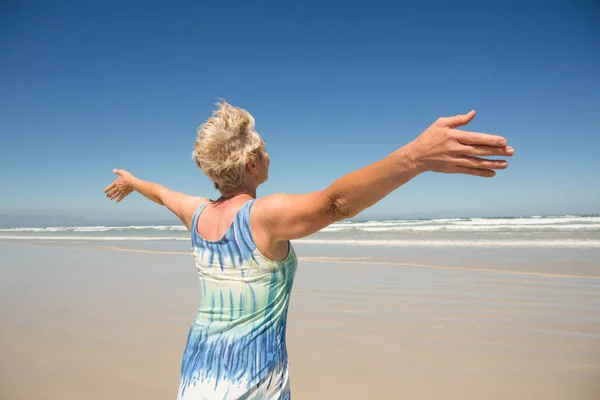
194	224
242	231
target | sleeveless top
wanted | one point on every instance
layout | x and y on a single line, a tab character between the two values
236	347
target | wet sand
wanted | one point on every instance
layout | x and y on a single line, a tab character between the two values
95	321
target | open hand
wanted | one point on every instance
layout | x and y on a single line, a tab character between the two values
121	187
443	148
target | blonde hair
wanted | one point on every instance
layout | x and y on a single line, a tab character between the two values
225	144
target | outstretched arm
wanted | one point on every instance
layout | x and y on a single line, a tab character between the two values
180	204
441	148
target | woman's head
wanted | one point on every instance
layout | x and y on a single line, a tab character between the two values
229	151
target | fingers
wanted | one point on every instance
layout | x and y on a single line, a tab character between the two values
481	163
479	139
112	192
484	173
457	120
110	187
485	151
118	171
121	197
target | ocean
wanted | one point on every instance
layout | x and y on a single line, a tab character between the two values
563	231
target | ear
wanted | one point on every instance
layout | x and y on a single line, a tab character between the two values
251	167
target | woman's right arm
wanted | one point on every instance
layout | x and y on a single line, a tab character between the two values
441	148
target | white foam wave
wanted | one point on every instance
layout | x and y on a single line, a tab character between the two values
479	228
99	228
574	227
460	243
93	238
550	243
530	221
472	224
564	223
474	221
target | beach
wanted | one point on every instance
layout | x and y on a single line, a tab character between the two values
455	147
99	317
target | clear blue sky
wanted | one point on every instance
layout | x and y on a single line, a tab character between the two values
333	87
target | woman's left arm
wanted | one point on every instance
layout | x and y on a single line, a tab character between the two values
181	204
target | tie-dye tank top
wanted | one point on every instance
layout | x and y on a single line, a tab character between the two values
236	347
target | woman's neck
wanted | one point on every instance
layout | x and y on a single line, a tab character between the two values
240	191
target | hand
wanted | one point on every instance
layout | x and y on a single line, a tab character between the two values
443	148
121	187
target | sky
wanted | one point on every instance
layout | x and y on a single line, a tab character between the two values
92	86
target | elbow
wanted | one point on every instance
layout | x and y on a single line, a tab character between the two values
158	196
337	207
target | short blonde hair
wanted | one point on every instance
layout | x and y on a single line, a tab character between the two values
225	144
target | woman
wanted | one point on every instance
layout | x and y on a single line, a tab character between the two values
236	346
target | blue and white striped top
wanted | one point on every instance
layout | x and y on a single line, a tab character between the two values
236	347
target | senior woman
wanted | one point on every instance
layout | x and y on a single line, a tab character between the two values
236	347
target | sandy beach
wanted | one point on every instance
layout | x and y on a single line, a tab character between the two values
100	320
436	165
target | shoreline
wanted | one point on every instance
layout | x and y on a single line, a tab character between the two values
346	260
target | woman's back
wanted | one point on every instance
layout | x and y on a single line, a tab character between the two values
236	346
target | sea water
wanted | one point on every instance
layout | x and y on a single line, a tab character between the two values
565	231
